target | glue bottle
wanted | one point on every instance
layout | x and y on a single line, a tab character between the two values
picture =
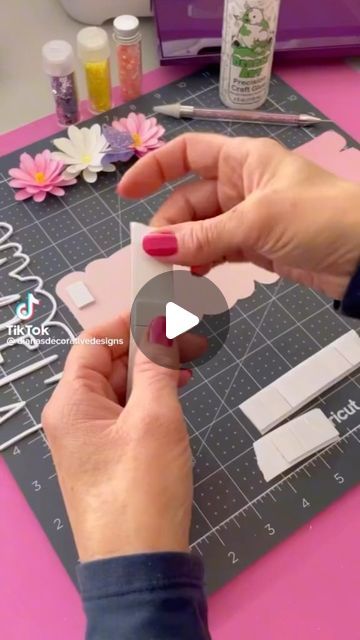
94	52
128	51
59	65
248	42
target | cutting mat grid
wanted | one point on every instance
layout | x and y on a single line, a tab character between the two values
237	516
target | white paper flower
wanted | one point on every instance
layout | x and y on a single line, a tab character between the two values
83	152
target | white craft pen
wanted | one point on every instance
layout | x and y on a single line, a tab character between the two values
248	42
178	110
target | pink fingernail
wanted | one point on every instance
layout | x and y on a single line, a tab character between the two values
189	373
157	332
160	244
185	377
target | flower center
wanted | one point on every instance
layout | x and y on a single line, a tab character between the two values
136	139
40	177
86	158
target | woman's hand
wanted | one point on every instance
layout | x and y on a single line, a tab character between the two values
255	201
125	473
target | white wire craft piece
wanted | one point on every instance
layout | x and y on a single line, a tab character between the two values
4	244
294	441
303	383
5	300
30	344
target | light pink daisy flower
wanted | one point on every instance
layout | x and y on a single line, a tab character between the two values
145	132
39	176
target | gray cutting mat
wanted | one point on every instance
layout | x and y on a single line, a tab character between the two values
237	516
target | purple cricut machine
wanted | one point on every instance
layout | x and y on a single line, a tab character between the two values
188	29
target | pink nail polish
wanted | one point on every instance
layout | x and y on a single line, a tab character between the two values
185	377
160	244
157	332
189	373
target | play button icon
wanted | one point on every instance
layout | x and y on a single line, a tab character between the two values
189	305
178	320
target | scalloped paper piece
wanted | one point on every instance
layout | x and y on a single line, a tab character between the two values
108	279
330	151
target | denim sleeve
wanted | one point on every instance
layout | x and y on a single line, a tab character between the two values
152	596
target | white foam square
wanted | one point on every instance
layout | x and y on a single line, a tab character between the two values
80	294
294	441
349	346
312	376
265	409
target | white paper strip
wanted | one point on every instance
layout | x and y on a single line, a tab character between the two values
143	269
294	389
143	266
293	441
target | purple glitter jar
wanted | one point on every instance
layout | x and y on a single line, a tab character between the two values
66	101
59	63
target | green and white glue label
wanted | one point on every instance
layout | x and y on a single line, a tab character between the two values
248	41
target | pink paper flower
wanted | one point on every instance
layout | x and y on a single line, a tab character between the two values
36	177
145	132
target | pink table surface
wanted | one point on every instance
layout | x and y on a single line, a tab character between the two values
307	587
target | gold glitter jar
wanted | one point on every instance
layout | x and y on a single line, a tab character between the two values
94	52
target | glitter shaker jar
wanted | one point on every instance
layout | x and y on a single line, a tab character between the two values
128	52
94	52
59	65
